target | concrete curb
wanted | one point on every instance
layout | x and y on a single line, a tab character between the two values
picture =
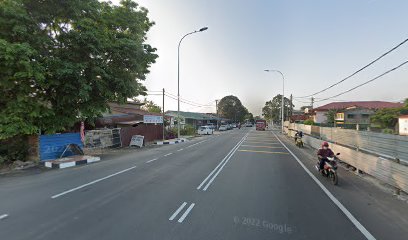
171	141
70	162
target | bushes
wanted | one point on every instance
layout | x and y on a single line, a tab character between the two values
13	149
308	122
188	130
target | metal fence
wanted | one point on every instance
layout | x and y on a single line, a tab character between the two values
104	138
385	145
388	171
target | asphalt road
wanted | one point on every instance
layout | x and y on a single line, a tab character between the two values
241	184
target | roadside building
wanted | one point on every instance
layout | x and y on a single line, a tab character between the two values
358	112
194	119
403	125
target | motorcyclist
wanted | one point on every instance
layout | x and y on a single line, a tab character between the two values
298	134
323	153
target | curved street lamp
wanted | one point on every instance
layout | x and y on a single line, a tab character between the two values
283	94
178	77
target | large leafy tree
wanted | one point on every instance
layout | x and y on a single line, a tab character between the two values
231	107
61	61
272	108
150	106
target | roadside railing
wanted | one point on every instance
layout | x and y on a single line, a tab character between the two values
390	171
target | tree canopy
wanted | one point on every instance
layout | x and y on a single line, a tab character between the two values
272	109
150	106
61	61
231	107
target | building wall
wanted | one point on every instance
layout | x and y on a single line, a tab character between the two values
320	117
403	126
357	116
150	132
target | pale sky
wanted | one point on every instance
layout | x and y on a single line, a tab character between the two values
314	43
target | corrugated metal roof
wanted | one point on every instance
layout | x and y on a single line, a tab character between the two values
192	115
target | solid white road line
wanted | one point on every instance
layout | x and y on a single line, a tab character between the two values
93	182
3	216
356	223
168	154
221	164
177	211
186	213
152	160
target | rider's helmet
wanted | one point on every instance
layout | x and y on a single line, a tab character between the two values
325	144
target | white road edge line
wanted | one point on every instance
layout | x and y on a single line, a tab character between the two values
3	216
168	154
221	165
152	160
186	213
356	223
93	182
177	211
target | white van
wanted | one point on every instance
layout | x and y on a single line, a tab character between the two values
205	130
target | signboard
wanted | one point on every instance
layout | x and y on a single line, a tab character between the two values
137	140
152	119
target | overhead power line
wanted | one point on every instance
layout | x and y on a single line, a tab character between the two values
371	80
188	103
359	70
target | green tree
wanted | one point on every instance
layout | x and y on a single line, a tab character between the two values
61	61
231	107
331	116
272	109
387	117
150	106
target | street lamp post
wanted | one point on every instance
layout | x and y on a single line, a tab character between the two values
283	94
178	77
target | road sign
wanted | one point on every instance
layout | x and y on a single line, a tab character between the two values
137	140
152	119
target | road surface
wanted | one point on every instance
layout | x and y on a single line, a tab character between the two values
240	184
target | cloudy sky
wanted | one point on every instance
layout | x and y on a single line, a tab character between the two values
314	43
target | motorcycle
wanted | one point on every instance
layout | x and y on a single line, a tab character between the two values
330	169
299	142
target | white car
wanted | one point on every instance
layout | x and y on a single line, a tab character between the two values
223	128
205	130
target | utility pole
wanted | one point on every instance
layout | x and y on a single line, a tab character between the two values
216	110
163	117
291	105
312	102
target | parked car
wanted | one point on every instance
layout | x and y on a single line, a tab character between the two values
234	125
212	126
205	130
223	128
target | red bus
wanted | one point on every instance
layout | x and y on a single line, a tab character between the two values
260	125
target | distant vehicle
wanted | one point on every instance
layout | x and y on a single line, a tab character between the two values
212	126
205	130
223	128
229	126
234	125
260	125
248	124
